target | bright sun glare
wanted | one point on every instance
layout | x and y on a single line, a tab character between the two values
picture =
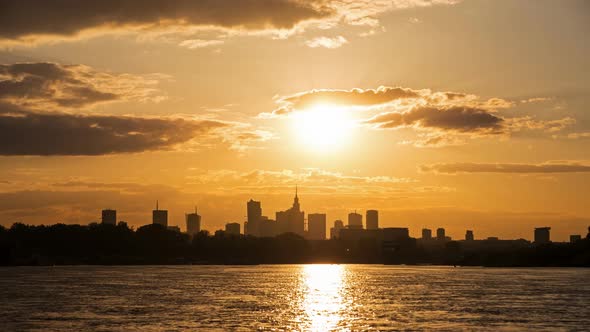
323	127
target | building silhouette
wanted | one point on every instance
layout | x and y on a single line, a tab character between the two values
160	217
440	234
469	235
109	217
542	235
316	225
193	223
292	220
335	231
575	238
268	227
232	228
426	234
355	220
254	210
174	229
372	219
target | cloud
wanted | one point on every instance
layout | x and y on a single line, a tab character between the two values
353	97
50	85
457	119
442	117
34	21
31	19
27	133
200	43
547	167
326	42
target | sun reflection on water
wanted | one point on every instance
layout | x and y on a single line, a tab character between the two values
322	292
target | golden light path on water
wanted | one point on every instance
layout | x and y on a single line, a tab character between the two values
322	291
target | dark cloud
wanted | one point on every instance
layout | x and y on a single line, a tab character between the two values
457	119
28	133
30	18
549	167
43	85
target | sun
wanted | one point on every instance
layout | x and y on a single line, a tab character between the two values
323	127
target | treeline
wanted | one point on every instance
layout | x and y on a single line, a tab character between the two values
62	244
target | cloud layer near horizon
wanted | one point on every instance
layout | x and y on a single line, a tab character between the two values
548	167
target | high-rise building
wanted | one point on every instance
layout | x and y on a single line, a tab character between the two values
232	228
542	235
469	235
335	231
372	219
426	234
109	217
440	234
292	220
316	226
254	217
160	217
193	223
355	220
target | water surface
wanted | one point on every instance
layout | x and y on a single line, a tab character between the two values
292	297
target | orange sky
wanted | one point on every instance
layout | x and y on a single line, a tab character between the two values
463	114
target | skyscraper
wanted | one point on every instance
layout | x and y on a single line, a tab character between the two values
335	231
193	223
316	226
293	219
232	228
372	219
254	216
160	217
426	234
109	217
469	235
542	235
355	220
440	234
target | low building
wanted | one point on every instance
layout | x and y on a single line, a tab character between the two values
232	228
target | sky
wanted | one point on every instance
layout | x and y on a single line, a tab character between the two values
444	113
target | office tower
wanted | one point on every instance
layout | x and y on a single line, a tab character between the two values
292	220
316	226
542	235
160	217
232	228
335	231
355	220
193	223
426	234
440	234
254	217
469	236
372	219
109	217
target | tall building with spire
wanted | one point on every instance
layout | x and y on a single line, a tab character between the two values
160	217
193	223
293	219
